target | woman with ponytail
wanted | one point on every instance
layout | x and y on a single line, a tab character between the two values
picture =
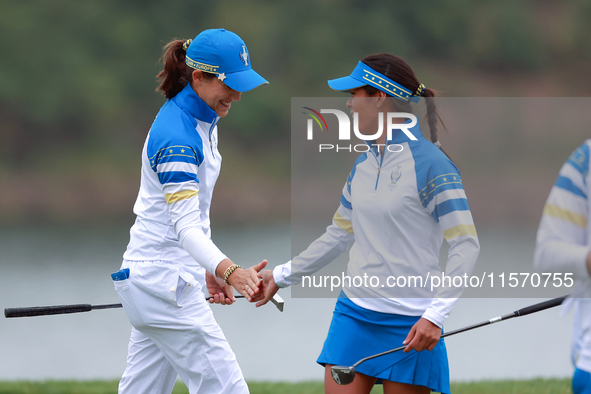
170	255
403	197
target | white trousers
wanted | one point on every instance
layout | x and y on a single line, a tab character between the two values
174	332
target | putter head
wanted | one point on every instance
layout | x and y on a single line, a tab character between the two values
342	375
278	301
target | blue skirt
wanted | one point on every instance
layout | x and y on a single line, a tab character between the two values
357	332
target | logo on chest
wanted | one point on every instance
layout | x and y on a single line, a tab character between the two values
213	141
394	177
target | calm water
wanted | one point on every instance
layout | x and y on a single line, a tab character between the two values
52	267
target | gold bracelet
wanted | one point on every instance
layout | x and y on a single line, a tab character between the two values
229	271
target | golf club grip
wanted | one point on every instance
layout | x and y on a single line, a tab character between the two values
46	310
236	296
540	307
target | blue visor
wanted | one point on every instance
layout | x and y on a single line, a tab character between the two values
365	75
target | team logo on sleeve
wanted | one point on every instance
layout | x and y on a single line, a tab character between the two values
394	177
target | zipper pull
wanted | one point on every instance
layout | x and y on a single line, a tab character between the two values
378	170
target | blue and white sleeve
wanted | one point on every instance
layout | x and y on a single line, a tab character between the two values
445	199
561	241
176	166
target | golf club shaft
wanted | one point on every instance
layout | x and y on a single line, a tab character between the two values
521	312
62	309
55	309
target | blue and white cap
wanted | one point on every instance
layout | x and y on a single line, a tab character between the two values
223	53
364	75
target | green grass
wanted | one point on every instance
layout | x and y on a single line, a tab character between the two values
535	386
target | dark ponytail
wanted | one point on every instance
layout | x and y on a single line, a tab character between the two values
398	70
176	74
432	115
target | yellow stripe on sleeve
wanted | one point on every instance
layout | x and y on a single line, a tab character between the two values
457	231
565	214
343	223
178	196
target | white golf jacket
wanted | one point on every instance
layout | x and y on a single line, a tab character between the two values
397	208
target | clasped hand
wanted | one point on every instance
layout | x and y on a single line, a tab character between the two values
245	281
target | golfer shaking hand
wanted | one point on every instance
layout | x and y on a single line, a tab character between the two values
402	198
170	256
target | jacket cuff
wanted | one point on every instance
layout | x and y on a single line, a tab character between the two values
281	275
434	317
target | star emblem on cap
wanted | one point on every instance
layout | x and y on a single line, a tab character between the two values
222	76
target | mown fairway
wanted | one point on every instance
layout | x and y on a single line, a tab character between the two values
536	386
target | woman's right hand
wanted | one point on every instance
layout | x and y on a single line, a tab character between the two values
246	281
423	335
268	285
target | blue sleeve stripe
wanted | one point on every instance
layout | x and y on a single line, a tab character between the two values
174	149
456	204
444	178
176	177
568	185
427	194
579	159
346	203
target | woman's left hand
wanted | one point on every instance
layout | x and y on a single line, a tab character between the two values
423	335
220	292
